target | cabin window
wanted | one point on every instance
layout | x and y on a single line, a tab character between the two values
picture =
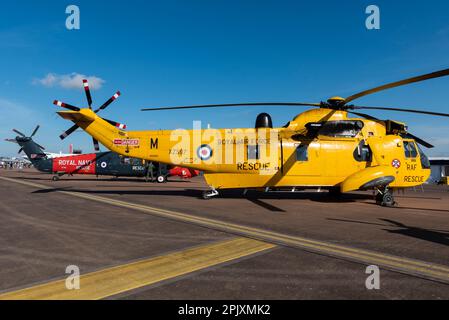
253	152
410	149
344	129
362	153
302	153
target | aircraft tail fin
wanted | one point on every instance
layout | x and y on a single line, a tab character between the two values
76	116
33	150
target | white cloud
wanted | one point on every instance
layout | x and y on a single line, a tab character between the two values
69	81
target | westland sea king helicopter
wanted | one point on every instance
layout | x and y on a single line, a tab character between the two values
322	147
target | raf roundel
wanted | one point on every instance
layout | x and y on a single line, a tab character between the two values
396	163
103	165
204	152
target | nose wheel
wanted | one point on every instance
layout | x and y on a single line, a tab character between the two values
385	198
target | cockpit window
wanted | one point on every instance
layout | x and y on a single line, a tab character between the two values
344	128
425	163
410	149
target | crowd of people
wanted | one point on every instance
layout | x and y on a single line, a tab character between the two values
19	165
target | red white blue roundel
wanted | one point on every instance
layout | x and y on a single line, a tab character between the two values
204	152
396	163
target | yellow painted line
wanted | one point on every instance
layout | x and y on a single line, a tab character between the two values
112	281
404	265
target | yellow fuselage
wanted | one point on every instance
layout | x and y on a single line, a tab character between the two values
280	157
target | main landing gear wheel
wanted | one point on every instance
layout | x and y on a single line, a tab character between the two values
161	179
55	178
385	198
209	194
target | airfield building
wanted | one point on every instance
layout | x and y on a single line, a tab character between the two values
440	170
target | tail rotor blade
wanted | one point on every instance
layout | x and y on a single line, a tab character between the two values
107	103
35	130
68	132
96	145
87	91
19	133
116	124
65	105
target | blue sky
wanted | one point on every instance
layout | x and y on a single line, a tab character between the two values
162	53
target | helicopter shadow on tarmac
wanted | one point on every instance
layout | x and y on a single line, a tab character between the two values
399	207
435	236
255	197
122	179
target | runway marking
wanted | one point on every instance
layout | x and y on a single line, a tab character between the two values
408	266
108	282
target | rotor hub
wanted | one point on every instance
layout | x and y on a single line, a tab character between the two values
336	101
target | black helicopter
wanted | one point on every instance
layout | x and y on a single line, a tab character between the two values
98	164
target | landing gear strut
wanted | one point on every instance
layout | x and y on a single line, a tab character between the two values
385	198
209	194
55	178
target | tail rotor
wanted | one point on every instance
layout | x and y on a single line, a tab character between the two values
68	132
22	138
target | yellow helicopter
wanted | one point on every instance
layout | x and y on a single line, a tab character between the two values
320	148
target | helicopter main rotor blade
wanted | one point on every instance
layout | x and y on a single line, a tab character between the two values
292	104
87	91
407	135
418	140
68	132
35	130
364	115
40	146
19	133
433	75
400	110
